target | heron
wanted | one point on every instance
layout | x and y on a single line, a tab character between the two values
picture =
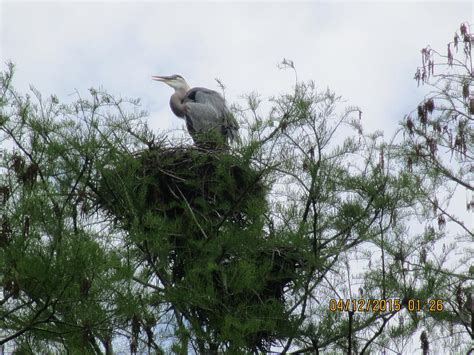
208	119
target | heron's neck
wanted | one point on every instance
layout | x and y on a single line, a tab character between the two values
176	101
185	87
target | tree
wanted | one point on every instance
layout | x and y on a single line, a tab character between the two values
438	150
65	286
112	232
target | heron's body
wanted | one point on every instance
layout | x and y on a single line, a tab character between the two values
207	117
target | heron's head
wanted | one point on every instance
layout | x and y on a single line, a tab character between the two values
177	82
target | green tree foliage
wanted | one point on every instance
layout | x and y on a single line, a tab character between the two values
64	284
110	232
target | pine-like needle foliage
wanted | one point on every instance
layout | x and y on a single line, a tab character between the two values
113	236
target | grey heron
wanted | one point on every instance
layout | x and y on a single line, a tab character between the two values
207	117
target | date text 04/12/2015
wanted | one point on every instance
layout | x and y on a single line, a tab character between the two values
385	305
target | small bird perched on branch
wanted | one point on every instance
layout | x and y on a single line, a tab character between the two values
207	117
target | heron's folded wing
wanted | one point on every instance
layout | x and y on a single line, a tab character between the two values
207	97
203	117
207	110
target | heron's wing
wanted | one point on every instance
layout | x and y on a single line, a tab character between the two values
207	111
206	97
202	117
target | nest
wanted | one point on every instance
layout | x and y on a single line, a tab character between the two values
207	224
172	182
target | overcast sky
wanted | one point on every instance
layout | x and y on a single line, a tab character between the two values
365	51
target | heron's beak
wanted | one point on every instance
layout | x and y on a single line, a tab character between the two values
159	78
